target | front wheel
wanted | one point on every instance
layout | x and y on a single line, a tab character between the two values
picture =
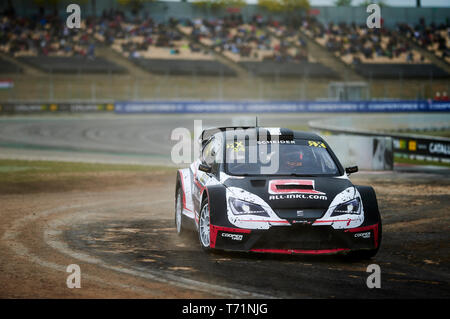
179	212
203	227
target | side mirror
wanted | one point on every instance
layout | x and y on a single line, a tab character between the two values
204	168
350	170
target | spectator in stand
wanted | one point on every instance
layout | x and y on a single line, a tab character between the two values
437	96
91	51
356	60
410	57
230	34
43	35
344	39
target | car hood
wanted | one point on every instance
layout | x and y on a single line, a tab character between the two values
292	192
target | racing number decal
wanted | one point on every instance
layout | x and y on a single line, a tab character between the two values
316	144
236	146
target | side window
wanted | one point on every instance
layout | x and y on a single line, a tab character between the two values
208	152
212	154
328	165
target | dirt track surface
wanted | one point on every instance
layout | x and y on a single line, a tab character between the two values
123	238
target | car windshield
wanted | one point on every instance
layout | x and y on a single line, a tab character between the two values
294	157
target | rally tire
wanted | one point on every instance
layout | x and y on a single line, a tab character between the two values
180	229
204	227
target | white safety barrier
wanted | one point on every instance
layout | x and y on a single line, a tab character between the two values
368	153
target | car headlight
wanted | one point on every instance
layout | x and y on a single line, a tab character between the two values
351	207
241	207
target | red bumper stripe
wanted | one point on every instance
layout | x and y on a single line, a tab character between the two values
296	251
266	221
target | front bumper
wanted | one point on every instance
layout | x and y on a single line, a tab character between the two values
296	239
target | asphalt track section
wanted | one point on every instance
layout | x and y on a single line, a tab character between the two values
126	244
146	138
124	138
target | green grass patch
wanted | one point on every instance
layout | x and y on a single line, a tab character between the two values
402	160
32	171
299	127
440	133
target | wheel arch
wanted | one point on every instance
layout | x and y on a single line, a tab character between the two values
179	185
216	195
370	204
178	181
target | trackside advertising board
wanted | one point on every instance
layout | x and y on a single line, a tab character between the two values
124	107
438	148
54	107
278	106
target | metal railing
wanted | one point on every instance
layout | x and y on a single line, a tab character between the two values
96	87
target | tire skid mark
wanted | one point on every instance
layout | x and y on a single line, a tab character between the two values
51	238
23	251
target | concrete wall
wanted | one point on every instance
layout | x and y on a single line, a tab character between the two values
368	153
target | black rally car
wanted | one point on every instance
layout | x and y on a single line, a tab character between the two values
275	190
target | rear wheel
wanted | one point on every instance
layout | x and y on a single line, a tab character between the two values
179	212
203	226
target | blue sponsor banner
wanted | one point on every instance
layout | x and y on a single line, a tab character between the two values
278	106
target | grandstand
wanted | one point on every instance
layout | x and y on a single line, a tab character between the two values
261	48
118	55
161	49
373	53
434	38
51	47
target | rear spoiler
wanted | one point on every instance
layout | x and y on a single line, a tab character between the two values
283	133
206	134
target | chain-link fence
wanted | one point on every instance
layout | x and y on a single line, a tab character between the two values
162	87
